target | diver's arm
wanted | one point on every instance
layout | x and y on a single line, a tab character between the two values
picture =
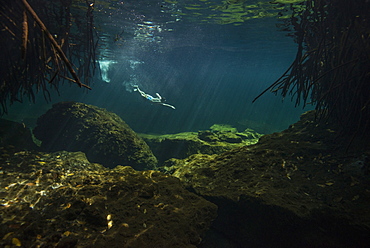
142	93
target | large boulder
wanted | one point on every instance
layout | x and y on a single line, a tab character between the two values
103	136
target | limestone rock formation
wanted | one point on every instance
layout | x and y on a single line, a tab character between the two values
102	135
62	200
303	187
218	139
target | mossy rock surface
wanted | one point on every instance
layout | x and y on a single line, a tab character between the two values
223	128
304	182
182	145
102	135
62	200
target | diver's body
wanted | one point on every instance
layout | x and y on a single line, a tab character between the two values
159	100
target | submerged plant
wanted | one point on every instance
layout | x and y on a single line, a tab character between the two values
39	41
331	69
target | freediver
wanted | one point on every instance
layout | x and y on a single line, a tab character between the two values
158	100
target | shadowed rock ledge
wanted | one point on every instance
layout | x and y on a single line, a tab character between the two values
16	134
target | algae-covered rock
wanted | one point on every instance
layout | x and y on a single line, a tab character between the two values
182	145
304	187
229	134
223	128
63	200
102	135
230	137
250	134
183	168
208	136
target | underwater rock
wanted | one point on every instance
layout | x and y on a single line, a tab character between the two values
262	126
182	145
222	128
230	137
63	200
17	135
300	186
183	168
208	136
102	135
229	134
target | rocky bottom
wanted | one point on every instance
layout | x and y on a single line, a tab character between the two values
307	186
63	200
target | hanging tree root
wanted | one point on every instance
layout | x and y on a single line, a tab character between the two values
59	50
331	67
24	35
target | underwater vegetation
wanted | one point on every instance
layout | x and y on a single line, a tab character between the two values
331	68
35	57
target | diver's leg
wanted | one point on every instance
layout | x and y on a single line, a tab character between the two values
168	105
